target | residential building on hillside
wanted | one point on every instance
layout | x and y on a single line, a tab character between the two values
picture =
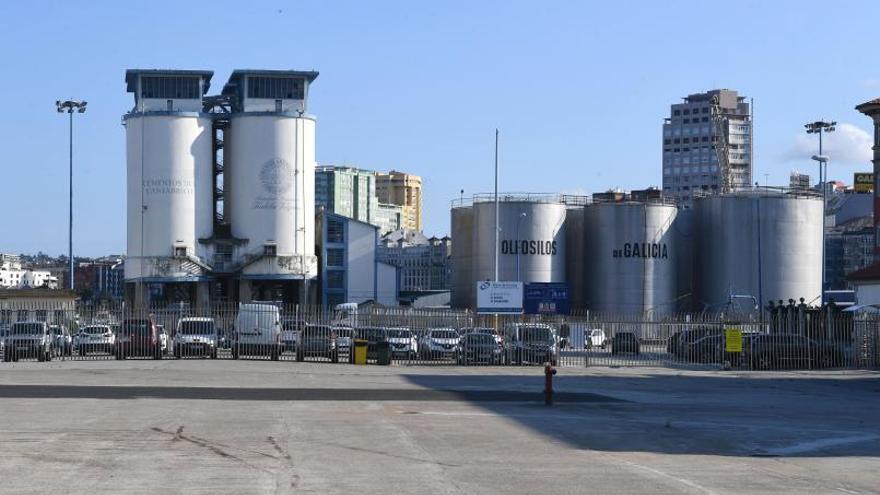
347	191
404	190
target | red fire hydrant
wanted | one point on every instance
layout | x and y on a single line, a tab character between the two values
549	371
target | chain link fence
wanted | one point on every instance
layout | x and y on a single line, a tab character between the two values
401	336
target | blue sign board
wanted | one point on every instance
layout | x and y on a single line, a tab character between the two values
541	298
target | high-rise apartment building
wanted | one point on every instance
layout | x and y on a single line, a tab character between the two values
707	145
404	190
347	191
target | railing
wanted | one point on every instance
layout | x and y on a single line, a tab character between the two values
403	336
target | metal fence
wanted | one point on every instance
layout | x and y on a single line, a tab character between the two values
438	337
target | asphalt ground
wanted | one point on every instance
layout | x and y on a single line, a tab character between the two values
200	426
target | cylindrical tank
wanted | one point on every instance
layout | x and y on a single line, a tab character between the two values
574	252
762	244
462	256
270	186
631	257
170	198
532	241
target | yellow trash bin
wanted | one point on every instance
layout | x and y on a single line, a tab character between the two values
360	351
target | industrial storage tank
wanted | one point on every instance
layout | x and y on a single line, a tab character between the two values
761	243
575	261
463	289
531	239
269	174
169	159
631	257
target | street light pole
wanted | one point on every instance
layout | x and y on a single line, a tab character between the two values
820	127
69	106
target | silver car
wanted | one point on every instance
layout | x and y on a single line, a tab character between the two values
195	337
96	338
29	339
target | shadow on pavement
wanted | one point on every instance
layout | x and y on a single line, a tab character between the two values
693	415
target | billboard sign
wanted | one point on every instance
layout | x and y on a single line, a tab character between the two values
863	181
499	297
540	298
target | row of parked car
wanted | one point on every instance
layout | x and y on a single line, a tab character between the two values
707	344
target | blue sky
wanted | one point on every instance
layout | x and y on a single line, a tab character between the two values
579	90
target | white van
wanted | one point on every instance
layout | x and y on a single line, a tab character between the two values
257	331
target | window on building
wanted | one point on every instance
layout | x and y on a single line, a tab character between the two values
687	111
165	87
335	279
676	112
335	230
270	250
41	315
286	88
336	257
686	121
59	316
21	315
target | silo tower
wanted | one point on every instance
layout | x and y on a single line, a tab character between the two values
169	197
269	182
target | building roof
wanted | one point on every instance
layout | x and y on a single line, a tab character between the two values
37	294
230	87
131	76
870	273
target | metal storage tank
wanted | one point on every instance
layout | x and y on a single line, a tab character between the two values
169	176
575	273
462	256
631	257
532	235
759	243
270	174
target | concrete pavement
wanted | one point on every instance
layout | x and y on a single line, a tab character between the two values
181	427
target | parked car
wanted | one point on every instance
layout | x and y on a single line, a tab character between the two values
625	342
479	348
403	343
595	338
317	341
439	343
781	351
138	337
195	337
534	343
377	340
29	339
290	328
257	331
343	339
677	344
63	342
709	349
95	338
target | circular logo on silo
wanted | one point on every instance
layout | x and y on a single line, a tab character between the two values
276	175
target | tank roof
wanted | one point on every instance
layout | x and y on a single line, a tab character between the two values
131	76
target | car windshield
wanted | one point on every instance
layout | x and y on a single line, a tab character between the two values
26	329
372	334
196	327
399	334
291	325
96	330
446	334
135	327
535	334
596	333
479	339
